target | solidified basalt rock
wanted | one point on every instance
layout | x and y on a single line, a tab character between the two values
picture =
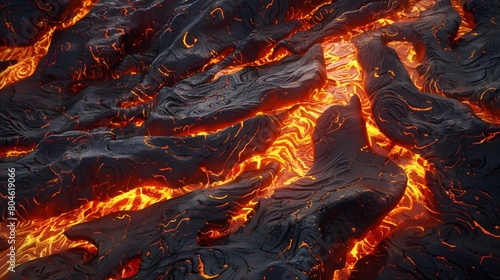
70	169
303	230
460	239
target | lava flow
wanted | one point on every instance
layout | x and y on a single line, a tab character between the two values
250	139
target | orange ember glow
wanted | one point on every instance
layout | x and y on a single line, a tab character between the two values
16	152
293	149
28	57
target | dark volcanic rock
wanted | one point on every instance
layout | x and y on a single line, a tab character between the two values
115	104
70	169
303	230
460	239
193	106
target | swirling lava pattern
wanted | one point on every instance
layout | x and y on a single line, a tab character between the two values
272	139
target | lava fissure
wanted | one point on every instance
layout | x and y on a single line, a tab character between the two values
462	186
291	233
228	139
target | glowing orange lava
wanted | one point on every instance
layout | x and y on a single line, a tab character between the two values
293	149
28	57
16	152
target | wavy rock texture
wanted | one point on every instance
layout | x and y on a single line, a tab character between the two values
192	106
25	21
161	41
173	93
119	233
48	184
301	231
134	50
460	239
464	69
332	20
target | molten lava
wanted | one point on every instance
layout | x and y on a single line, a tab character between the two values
293	148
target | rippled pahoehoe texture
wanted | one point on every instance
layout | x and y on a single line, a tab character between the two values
460	239
203	96
48	184
193	106
300	231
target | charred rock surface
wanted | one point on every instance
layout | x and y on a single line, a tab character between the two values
161	41
464	68
25	21
474	57
188	106
70	169
116	101
337	18
152	233
193	104
301	231
110	64
460	239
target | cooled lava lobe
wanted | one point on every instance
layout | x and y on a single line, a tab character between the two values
196	105
302	231
25	21
460	239
175	92
67	170
110	66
